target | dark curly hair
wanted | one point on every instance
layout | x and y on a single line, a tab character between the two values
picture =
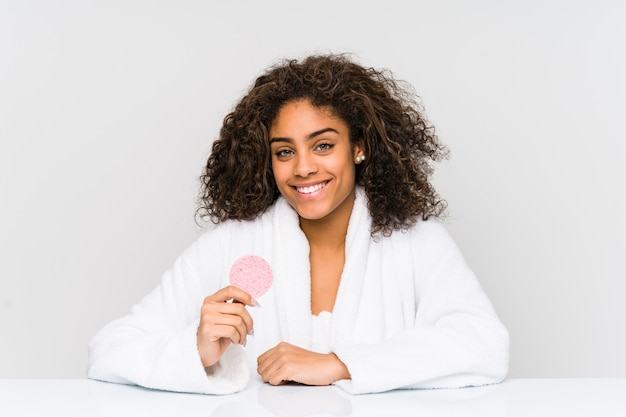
383	112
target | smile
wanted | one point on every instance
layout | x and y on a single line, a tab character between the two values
310	189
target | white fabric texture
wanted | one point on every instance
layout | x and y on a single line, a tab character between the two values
409	313
322	332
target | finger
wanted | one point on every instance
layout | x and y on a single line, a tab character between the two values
213	320
276	374
233	293
238	324
226	332
229	327
279	350
265	361
272	360
212	311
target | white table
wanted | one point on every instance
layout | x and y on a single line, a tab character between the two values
514	397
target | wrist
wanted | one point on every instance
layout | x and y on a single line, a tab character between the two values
340	370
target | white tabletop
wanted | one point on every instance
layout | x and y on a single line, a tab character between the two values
514	397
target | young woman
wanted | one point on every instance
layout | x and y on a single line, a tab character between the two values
323	170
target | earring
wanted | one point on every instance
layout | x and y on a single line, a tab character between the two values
360	159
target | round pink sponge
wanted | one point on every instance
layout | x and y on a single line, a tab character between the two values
252	274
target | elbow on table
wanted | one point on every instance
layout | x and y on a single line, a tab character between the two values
494	359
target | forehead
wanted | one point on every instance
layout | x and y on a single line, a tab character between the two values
302	113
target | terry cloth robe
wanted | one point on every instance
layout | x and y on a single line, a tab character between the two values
409	313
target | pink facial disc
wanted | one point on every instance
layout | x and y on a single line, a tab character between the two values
252	274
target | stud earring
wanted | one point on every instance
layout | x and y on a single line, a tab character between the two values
360	159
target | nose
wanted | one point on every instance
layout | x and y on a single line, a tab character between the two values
304	165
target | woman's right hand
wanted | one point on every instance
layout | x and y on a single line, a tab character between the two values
224	319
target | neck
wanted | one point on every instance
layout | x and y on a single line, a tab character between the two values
330	230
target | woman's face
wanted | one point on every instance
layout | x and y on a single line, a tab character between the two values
313	160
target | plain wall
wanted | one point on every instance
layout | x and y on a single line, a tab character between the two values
108	110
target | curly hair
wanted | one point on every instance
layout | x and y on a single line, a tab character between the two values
382	112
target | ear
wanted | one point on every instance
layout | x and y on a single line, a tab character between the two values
358	151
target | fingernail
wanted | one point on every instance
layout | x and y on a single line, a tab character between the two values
243	343
251	332
255	303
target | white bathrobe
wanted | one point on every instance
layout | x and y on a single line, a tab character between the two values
409	313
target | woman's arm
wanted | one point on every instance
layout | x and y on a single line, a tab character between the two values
456	340
156	345
288	363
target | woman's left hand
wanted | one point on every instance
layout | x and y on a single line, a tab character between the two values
288	363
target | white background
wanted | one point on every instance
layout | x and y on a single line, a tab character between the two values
108	110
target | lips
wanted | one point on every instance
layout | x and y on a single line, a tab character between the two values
310	189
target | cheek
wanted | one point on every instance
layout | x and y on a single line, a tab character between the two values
279	171
347	165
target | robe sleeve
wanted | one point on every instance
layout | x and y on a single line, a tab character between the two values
457	340
155	345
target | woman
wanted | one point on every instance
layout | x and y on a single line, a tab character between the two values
322	169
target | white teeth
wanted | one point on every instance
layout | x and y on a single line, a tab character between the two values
311	189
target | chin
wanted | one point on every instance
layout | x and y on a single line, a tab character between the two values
309	214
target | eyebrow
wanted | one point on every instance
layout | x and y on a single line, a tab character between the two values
309	137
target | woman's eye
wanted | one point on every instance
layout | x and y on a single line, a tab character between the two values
283	153
324	146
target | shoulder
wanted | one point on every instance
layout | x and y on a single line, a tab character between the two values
237	229
238	233
431	229
213	250
430	239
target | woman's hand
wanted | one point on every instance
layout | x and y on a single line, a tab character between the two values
224	319
289	363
